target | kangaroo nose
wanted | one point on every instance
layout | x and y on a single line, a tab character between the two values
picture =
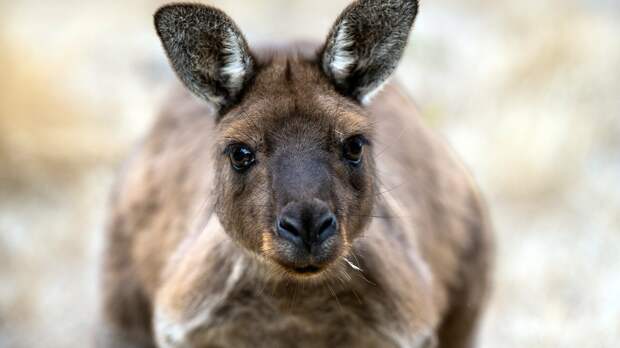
306	224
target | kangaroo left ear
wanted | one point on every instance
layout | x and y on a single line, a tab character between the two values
366	44
207	51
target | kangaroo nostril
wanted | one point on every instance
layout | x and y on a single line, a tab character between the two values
286	226
327	228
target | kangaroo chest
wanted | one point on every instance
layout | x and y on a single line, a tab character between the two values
306	318
249	320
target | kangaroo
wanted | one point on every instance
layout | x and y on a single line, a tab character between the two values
287	207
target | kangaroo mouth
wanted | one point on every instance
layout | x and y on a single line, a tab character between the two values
303	270
307	269
301	262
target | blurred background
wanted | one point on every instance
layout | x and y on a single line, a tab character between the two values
527	92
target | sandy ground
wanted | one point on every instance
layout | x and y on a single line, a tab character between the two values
527	92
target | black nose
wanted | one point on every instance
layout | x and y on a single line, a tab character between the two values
306	224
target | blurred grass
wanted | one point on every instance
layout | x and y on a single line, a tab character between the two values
527	92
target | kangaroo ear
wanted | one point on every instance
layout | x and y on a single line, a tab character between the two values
207	51
366	44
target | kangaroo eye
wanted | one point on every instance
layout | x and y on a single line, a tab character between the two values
241	157
353	149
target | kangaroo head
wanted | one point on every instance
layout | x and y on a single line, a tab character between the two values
295	173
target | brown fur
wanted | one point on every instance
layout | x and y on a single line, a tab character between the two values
191	257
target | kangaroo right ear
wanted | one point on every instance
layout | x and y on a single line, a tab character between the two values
366	44
207	51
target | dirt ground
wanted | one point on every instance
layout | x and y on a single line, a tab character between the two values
527	92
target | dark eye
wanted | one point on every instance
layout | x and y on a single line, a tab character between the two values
241	157
353	149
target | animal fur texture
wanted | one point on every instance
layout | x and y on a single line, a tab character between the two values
193	258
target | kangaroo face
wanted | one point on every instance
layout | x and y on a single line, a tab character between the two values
295	174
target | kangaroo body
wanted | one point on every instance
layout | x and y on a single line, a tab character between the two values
416	274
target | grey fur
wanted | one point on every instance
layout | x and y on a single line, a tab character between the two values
366	44
207	51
